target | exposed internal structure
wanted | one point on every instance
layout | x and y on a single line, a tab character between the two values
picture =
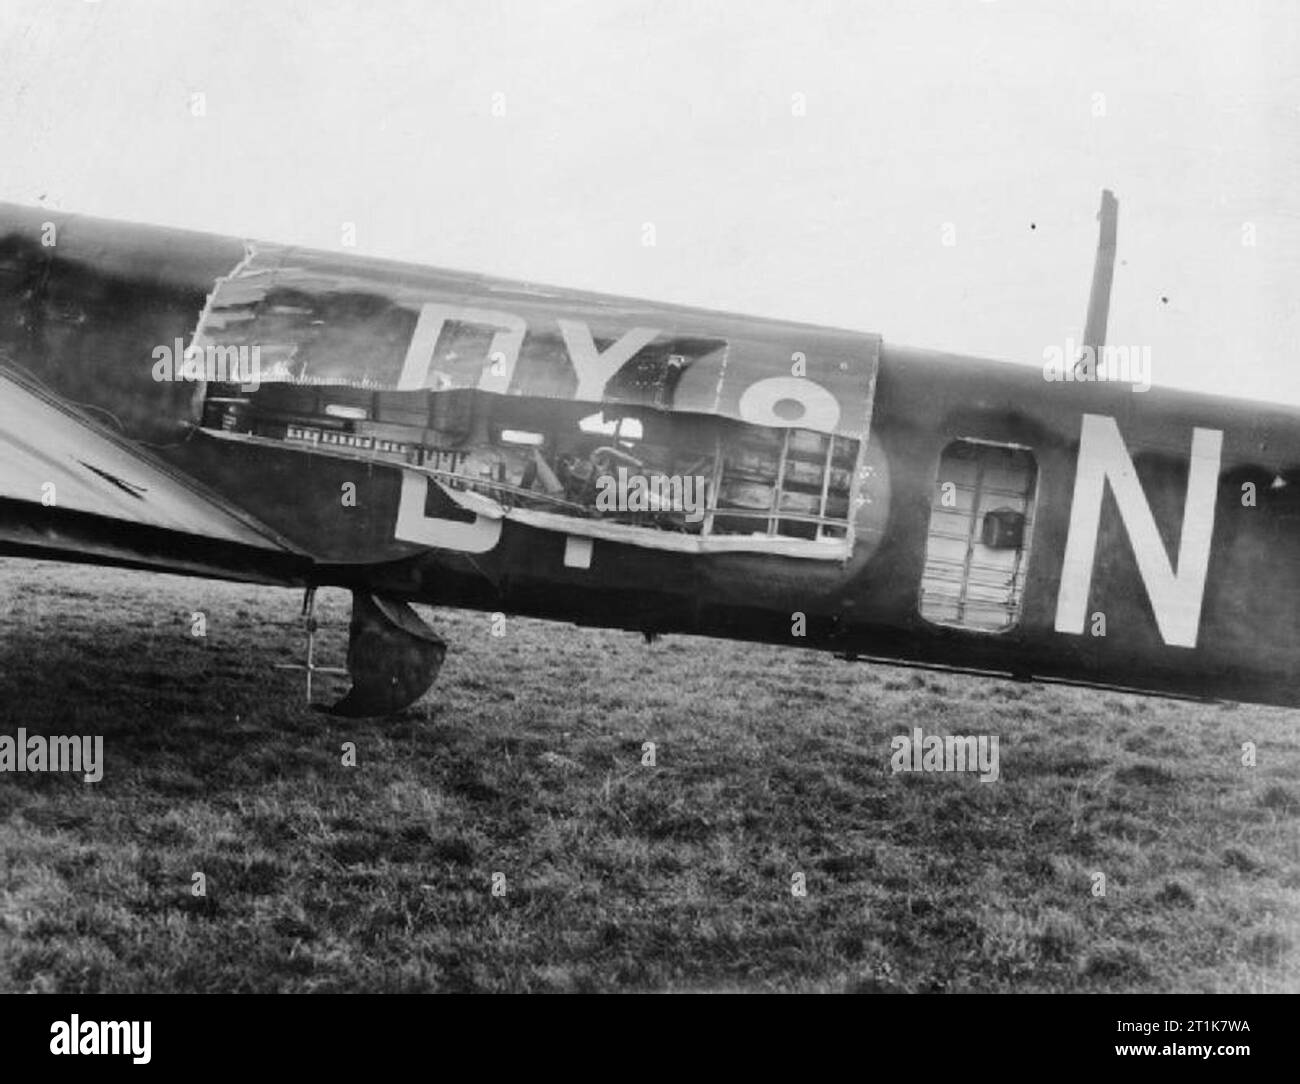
692	473
673	429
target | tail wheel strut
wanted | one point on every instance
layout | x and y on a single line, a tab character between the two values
393	656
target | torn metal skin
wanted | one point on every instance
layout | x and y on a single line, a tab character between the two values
433	437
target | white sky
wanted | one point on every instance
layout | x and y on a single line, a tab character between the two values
978	113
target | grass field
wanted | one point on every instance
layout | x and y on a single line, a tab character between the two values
526	760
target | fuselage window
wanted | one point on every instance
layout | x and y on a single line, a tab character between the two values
981	522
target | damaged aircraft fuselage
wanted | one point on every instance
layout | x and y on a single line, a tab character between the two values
434	437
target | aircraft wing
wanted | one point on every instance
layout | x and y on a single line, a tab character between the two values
71	490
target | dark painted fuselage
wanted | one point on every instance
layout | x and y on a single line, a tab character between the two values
85	314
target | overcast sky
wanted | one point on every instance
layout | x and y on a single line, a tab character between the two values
796	159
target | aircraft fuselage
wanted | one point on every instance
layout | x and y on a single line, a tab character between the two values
438	438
